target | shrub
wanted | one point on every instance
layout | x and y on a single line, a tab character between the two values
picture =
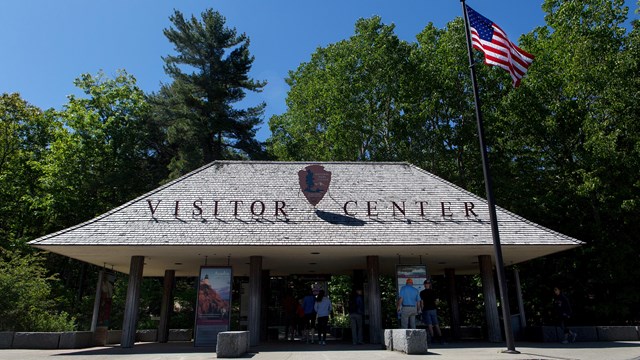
25	295
341	321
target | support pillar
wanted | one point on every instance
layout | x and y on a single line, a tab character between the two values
167	305
454	308
96	302
523	319
132	302
373	296
264	305
255	295
490	302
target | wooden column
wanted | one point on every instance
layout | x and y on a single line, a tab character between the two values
373	296
132	302
490	303
255	295
167	305
523	319
454	308
96	302
264	305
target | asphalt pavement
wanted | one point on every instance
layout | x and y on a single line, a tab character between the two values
618	350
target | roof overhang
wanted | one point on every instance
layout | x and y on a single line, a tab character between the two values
226	212
307	260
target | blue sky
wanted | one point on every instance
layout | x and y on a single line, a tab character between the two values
46	44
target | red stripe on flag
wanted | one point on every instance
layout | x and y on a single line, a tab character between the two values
503	53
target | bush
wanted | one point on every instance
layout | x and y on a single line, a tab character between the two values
25	295
340	321
48	322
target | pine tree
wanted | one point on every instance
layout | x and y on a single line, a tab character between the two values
210	74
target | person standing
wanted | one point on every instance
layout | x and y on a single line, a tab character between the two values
300	323
289	309
562	311
323	309
408	305
429	310
308	304
356	315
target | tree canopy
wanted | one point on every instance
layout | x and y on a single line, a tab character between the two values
563	147
210	74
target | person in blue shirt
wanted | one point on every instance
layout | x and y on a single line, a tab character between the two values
408	305
308	304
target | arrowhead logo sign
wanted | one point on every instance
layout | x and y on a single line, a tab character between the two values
314	182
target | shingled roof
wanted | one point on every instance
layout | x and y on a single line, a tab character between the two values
254	205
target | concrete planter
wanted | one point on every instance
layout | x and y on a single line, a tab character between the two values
543	333
114	336
585	333
100	336
180	334
232	344
470	332
6	339
76	340
148	335
618	333
408	341
36	340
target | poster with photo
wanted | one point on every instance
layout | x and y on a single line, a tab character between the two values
213	304
417	273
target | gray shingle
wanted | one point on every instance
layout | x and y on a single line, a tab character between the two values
364	188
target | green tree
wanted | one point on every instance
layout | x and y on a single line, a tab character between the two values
102	157
210	73
345	103
26	303
375	97
440	111
563	147
572	148
25	133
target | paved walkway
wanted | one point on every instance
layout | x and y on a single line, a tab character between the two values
620	350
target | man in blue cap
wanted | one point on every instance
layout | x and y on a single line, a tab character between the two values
408	305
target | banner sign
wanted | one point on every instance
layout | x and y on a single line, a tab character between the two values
213	304
417	273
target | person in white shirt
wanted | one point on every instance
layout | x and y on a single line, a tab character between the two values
323	309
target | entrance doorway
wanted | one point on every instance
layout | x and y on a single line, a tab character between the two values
285	317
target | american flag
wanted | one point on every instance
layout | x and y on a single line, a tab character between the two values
498	50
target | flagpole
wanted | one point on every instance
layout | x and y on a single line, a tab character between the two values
502	283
